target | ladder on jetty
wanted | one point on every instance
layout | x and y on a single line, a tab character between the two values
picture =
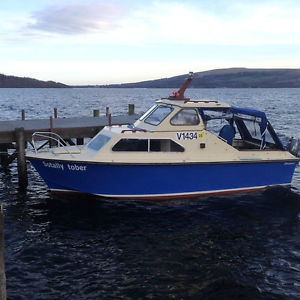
15	134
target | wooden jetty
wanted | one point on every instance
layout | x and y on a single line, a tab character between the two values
17	133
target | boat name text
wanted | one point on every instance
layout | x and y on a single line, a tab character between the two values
57	165
76	168
53	165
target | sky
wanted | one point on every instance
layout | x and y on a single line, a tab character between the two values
101	42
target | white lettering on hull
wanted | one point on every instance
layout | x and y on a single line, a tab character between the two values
71	167
76	168
55	165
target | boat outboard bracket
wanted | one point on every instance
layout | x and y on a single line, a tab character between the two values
293	146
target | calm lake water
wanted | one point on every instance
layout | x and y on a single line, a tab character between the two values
233	247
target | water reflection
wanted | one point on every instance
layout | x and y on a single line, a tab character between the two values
209	247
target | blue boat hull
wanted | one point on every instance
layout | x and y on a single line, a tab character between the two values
162	181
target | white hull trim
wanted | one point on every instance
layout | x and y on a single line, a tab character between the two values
175	195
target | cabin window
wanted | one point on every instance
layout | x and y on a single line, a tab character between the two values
252	133
158	115
269	139
165	145
186	117
253	129
131	145
98	142
147	145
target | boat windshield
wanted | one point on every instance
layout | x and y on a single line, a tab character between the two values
158	114
147	112
98	142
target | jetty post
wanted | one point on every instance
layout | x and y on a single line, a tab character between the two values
130	109
109	120
55	112
2	264
21	160
96	113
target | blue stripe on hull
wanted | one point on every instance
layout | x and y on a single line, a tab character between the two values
162	180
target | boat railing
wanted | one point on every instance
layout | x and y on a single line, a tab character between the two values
133	130
119	125
50	136
200	101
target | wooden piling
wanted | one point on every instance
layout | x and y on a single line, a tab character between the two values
109	120
51	123
3	155
130	109
55	113
23	114
21	160
96	113
107	111
2	264
80	141
52	143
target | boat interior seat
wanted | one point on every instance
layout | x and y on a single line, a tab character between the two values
227	133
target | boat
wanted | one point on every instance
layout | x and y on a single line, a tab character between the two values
179	148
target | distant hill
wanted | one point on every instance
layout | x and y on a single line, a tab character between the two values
24	82
219	78
226	78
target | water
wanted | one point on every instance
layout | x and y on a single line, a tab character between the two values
233	247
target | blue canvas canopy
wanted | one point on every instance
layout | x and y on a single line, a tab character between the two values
242	114
243	111
257	114
254	113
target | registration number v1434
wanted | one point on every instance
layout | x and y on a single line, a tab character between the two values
189	135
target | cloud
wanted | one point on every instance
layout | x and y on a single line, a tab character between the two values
239	24
172	22
75	18
150	24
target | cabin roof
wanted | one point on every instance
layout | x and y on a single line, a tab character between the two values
202	103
